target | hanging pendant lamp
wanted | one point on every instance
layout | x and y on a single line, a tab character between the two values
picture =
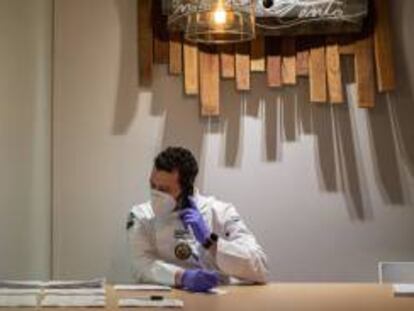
213	21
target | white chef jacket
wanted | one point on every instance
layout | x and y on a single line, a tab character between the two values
152	244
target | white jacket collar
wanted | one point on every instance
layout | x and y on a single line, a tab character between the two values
200	200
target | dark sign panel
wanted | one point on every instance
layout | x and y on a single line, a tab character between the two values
290	17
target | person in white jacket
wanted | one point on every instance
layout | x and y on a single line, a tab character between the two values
183	239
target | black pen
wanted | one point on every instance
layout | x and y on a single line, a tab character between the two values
156	297
151	297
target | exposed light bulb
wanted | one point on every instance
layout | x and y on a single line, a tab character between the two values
220	16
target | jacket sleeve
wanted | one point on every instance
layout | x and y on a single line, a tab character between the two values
147	268
238	253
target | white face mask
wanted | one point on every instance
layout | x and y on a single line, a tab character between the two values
162	204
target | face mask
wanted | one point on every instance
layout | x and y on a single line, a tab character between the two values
162	204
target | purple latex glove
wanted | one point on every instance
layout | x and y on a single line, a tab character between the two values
197	280
191	217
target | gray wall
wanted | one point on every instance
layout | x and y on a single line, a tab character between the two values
25	87
329	192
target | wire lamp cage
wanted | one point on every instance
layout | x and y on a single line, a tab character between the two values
213	21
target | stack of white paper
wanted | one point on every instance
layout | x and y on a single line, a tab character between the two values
95	283
20	284
90	293
141	287
147	302
73	301
403	289
76	291
18	301
20	291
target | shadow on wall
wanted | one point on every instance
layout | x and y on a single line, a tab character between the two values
271	115
385	152
391	125
182	126
401	104
286	114
229	123
127	90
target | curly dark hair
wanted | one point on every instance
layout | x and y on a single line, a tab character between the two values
182	160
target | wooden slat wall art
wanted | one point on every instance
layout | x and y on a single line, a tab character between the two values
317	75
243	66
282	59
289	61
145	42
190	68
209	81
227	61
161	41
364	72
333	70
383	47
176	54
258	61
273	62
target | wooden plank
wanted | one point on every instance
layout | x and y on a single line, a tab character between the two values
383	48
364	72
190	68
161	44
303	45
347	44
176	54
258	63
317	75
227	61
243	66
334	72
145	42
302	63
161	49
209	81
347	49
273	62
289	61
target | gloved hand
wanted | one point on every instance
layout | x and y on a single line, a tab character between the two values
197	280
191	217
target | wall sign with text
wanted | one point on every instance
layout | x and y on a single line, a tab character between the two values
294	17
288	17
